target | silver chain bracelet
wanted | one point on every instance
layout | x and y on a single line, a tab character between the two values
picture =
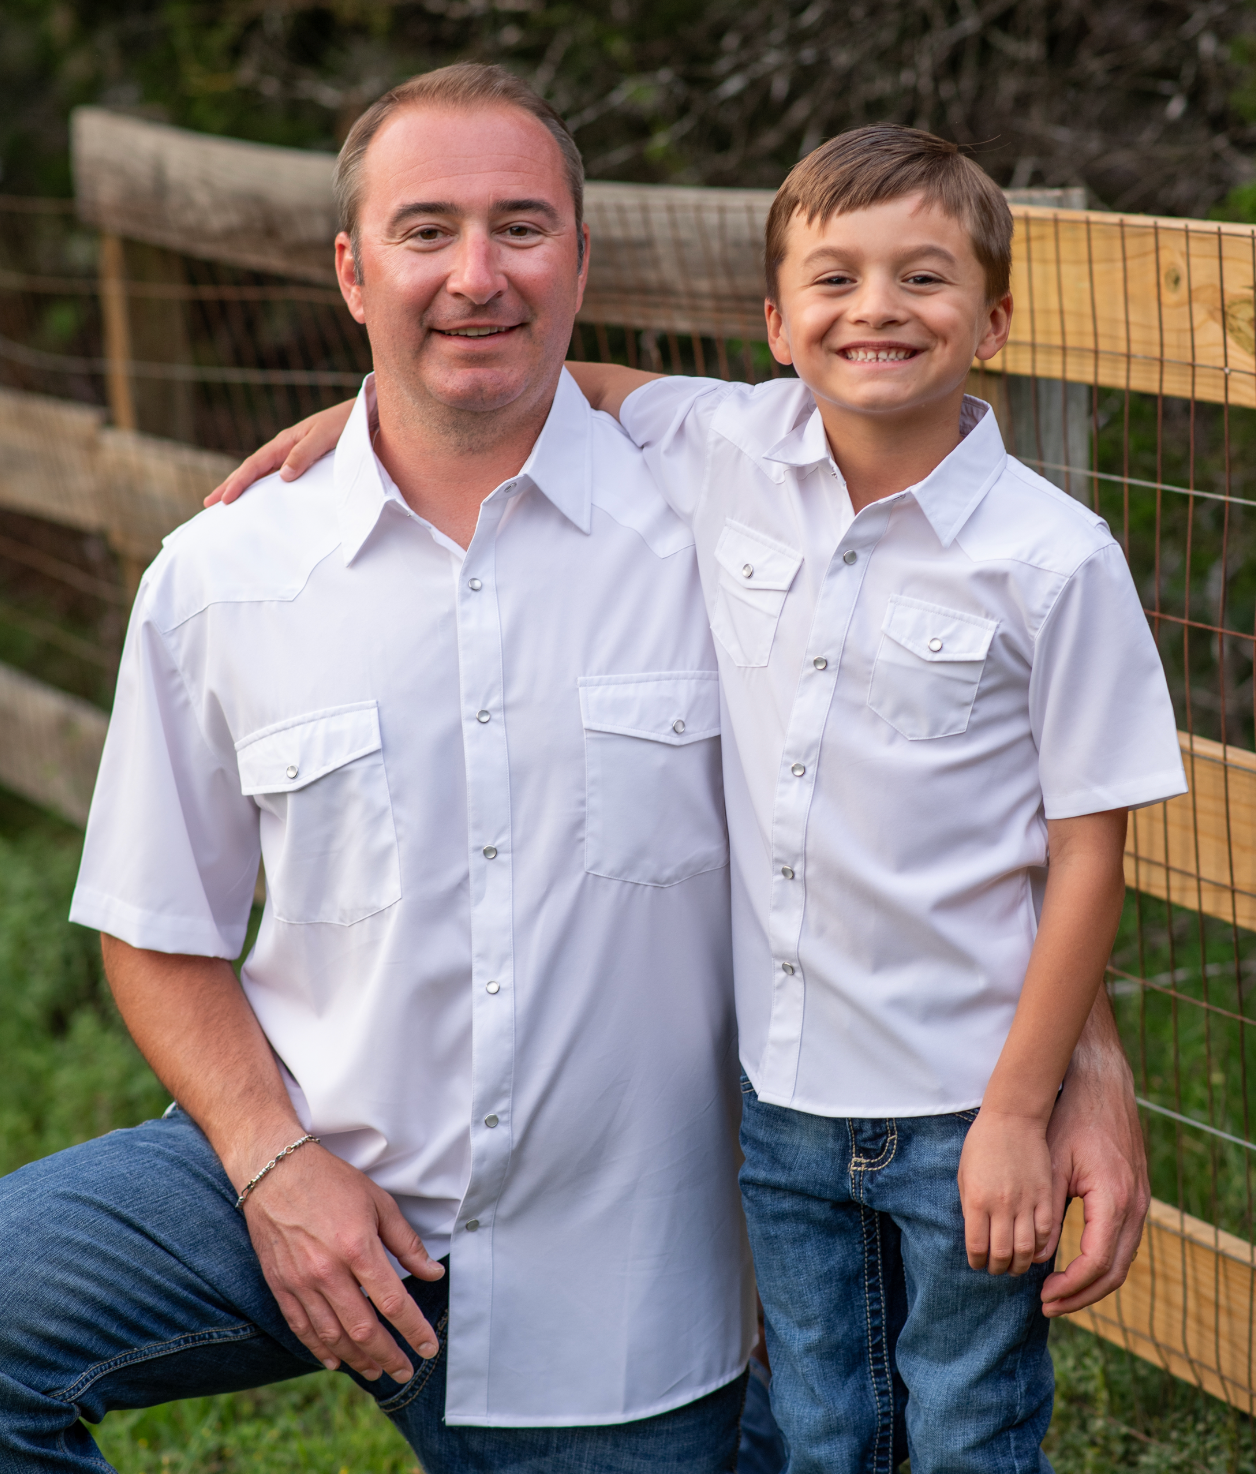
270	1167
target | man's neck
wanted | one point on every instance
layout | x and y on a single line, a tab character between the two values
879	456
445	463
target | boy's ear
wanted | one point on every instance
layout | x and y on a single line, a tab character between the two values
998	326
778	334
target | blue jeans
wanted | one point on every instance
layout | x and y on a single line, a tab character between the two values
127	1278
883	1342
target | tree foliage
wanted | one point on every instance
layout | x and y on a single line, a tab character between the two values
1151	103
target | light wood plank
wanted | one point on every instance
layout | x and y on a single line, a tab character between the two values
1199	850
1161	305
1187	1303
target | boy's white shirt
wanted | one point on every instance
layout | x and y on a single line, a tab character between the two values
949	669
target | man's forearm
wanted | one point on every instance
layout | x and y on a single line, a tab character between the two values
194	1026
607	385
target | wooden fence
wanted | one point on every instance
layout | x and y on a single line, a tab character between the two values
1109	308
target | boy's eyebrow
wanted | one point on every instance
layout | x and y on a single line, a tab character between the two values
823	251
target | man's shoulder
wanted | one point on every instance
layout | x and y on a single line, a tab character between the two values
1027	519
261	548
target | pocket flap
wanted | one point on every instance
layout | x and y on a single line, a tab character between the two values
755	561
669	706
287	755
934	632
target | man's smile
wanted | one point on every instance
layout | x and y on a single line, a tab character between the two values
494	331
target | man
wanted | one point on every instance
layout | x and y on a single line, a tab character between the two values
459	689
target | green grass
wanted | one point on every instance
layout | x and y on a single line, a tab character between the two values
70	1073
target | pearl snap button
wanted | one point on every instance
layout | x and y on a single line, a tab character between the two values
819	662
935	644
472	1225
678	727
489	852
787	872
490	1121
492	987
849	556
747	570
798	770
788	967
292	770
475	584
482	716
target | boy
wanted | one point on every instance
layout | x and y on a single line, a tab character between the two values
936	670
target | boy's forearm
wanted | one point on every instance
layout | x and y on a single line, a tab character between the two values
1080	914
607	385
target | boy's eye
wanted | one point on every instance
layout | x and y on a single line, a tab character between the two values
923	279
836	279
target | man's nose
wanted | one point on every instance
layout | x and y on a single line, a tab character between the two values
476	274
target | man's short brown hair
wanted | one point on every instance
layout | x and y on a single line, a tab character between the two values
467	84
886	161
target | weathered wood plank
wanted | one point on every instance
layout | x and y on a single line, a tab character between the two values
1199	850
51	745
1187	1303
1165	306
59	460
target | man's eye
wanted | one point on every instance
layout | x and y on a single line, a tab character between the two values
428	233
520	232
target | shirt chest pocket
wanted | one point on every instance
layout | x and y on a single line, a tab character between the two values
754	577
654	793
328	838
928	667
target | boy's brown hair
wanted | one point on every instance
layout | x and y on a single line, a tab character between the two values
886	161
466	84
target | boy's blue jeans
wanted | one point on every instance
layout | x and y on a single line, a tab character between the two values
127	1278
884	1343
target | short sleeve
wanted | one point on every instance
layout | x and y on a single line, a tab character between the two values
171	853
670	421
1099	704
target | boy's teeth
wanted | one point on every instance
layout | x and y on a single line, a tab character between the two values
877	355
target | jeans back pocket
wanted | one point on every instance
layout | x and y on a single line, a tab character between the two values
654	793
928	667
328	837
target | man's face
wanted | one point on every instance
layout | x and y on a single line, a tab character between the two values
467	256
881	311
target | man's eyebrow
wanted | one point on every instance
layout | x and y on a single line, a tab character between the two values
526	207
423	207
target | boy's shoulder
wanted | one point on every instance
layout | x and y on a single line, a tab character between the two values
263	547
755	418
1027	519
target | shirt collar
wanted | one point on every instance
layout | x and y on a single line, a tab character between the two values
558	465
950	493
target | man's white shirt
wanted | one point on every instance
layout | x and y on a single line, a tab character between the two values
909	695
495	960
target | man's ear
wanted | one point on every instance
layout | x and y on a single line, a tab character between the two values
778	333
997	327
582	279
347	277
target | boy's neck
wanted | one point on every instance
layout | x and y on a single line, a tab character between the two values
880	455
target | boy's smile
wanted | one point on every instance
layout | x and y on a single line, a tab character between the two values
881	311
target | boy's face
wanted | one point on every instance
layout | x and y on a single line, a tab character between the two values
881	311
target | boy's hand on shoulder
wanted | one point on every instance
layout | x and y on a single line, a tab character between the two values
1005	1191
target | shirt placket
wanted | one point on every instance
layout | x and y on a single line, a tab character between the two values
795	789
491	860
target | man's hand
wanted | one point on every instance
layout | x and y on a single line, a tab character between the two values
292	452
1097	1154
1005	1190
319	1227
